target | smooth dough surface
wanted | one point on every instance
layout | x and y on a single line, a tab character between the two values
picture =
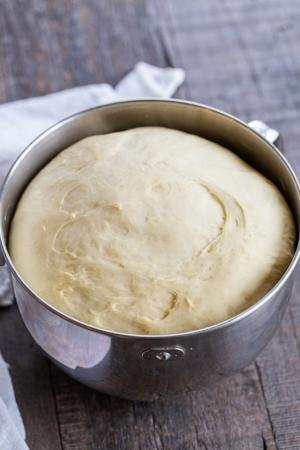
151	231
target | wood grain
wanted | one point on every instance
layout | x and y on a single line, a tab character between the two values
30	372
231	415
242	57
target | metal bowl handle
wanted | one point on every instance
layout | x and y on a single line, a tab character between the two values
271	135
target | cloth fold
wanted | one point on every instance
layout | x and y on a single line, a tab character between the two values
20	122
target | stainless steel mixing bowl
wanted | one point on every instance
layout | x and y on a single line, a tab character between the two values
136	366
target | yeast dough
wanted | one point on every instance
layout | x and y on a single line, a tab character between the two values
151	231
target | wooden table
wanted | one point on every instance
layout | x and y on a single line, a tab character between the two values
240	56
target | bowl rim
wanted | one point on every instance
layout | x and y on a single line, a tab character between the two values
211	328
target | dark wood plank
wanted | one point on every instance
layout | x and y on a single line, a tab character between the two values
53	45
241	56
279	368
230	415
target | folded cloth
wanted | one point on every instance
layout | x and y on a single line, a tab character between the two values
12	432
23	120
20	123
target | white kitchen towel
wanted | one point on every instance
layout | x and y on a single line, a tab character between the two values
23	120
12	433
20	122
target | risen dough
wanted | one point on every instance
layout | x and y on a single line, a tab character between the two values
151	231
